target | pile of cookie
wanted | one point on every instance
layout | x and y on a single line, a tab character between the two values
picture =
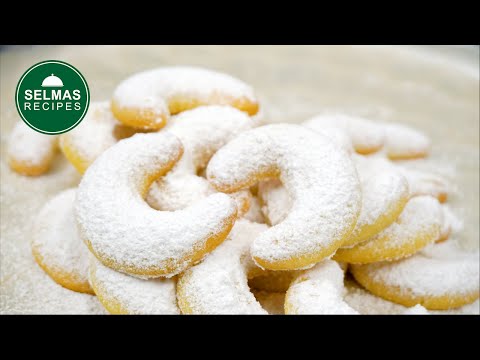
189	200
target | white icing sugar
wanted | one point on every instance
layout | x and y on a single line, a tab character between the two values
402	141
127	234
219	284
365	136
320	178
202	132
275	199
24	287
338	136
153	89
416	310
417	226
254	213
382	187
206	129
368	304
28	146
94	135
178	190
133	295
426	183
438	270
319	290
56	240
451	221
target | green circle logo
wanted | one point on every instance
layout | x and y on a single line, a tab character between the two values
52	97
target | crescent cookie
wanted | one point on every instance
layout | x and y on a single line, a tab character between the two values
146	100
126	234
384	196
426	183
417	226
319	177
440	277
365	136
385	193
96	133
219	284
404	142
56	246
319	290
123	294
202	132
29	152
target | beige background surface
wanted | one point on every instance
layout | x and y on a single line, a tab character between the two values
435	89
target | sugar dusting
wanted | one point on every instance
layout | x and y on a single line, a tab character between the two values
136	296
56	240
275	199
368	304
382	186
202	132
319	290
121	227
439	269
219	284
254	213
24	287
365	135
321	181
28	146
417	226
435	99
94	134
402	141
153	88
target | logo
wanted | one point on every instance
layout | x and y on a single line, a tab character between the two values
52	97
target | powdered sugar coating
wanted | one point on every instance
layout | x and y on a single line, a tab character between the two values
129	236
153	91
320	178
276	203
426	183
369	304
404	142
124	294
416	310
438	270
337	135
319	290
219	284
384	195
56	245
417	226
202	132
94	135
29	152
452	224
365	135
254	213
